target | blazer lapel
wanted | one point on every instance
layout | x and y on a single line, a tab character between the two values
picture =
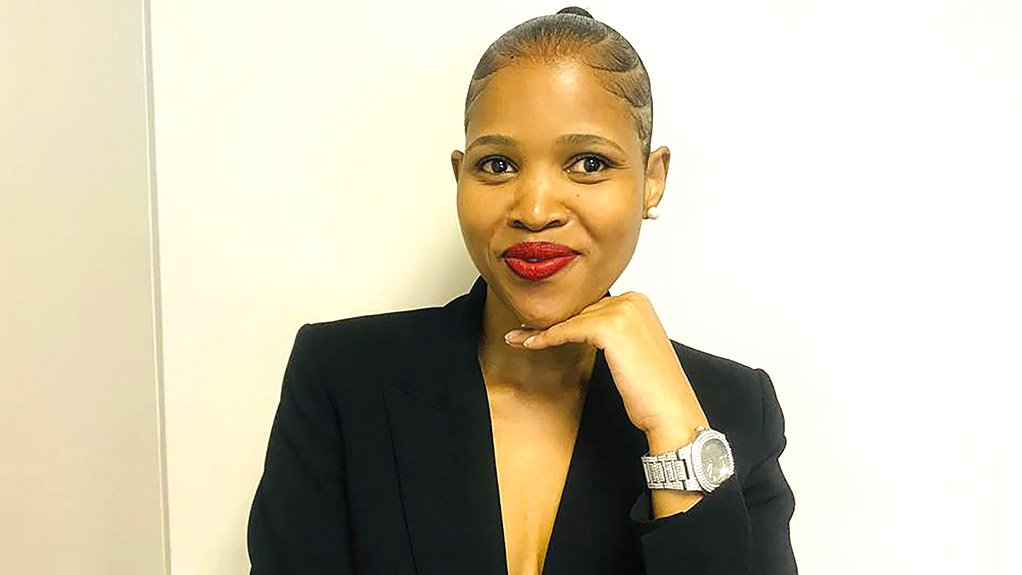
443	446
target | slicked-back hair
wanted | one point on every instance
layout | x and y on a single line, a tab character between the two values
573	34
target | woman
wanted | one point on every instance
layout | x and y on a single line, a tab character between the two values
537	423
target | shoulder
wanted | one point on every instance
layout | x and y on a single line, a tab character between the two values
380	327
369	336
720	375
720	367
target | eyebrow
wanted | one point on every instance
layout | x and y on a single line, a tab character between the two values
589	139
571	139
495	139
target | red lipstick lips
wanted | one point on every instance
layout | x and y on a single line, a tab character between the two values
536	261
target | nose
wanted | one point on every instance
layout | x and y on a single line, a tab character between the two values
537	205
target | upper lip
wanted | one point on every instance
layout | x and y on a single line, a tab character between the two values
538	250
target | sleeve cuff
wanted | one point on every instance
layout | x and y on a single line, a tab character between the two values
715	529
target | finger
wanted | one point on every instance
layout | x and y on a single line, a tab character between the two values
582	328
515	337
599	304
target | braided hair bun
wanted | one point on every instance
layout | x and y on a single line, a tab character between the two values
576	11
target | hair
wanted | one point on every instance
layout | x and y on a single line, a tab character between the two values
573	34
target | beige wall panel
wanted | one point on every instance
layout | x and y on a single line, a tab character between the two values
80	479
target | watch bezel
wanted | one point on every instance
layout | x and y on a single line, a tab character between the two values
701	439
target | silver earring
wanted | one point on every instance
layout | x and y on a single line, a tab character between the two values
652	213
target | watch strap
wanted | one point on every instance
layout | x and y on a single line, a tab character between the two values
671	470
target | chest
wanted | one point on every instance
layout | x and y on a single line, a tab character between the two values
432	480
533	446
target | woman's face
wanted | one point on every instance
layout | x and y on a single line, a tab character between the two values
552	156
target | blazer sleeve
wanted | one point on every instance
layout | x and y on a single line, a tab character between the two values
737	528
299	520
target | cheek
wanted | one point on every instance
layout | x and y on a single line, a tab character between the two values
619	240
613	220
476	215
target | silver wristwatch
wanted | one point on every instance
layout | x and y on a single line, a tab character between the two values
699	466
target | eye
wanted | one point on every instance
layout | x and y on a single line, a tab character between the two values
591	164
499	165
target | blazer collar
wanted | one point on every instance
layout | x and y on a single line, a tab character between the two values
440	424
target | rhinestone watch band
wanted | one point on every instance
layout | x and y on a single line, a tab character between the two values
672	470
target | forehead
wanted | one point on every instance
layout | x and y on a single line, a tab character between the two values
536	102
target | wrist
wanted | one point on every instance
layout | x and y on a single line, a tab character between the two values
668	438
674	432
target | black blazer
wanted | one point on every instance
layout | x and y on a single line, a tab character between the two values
380	460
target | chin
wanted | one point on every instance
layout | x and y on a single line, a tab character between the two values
541	321
538	312
543	304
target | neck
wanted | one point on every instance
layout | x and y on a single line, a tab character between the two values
544	373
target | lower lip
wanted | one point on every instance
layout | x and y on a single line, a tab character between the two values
535	271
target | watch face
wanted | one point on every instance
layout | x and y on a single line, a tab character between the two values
715	461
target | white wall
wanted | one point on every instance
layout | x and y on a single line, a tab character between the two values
80	472
841	211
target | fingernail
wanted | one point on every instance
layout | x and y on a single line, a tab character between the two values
528	341
513	336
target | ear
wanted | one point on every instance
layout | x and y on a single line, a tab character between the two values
456	158
656	176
